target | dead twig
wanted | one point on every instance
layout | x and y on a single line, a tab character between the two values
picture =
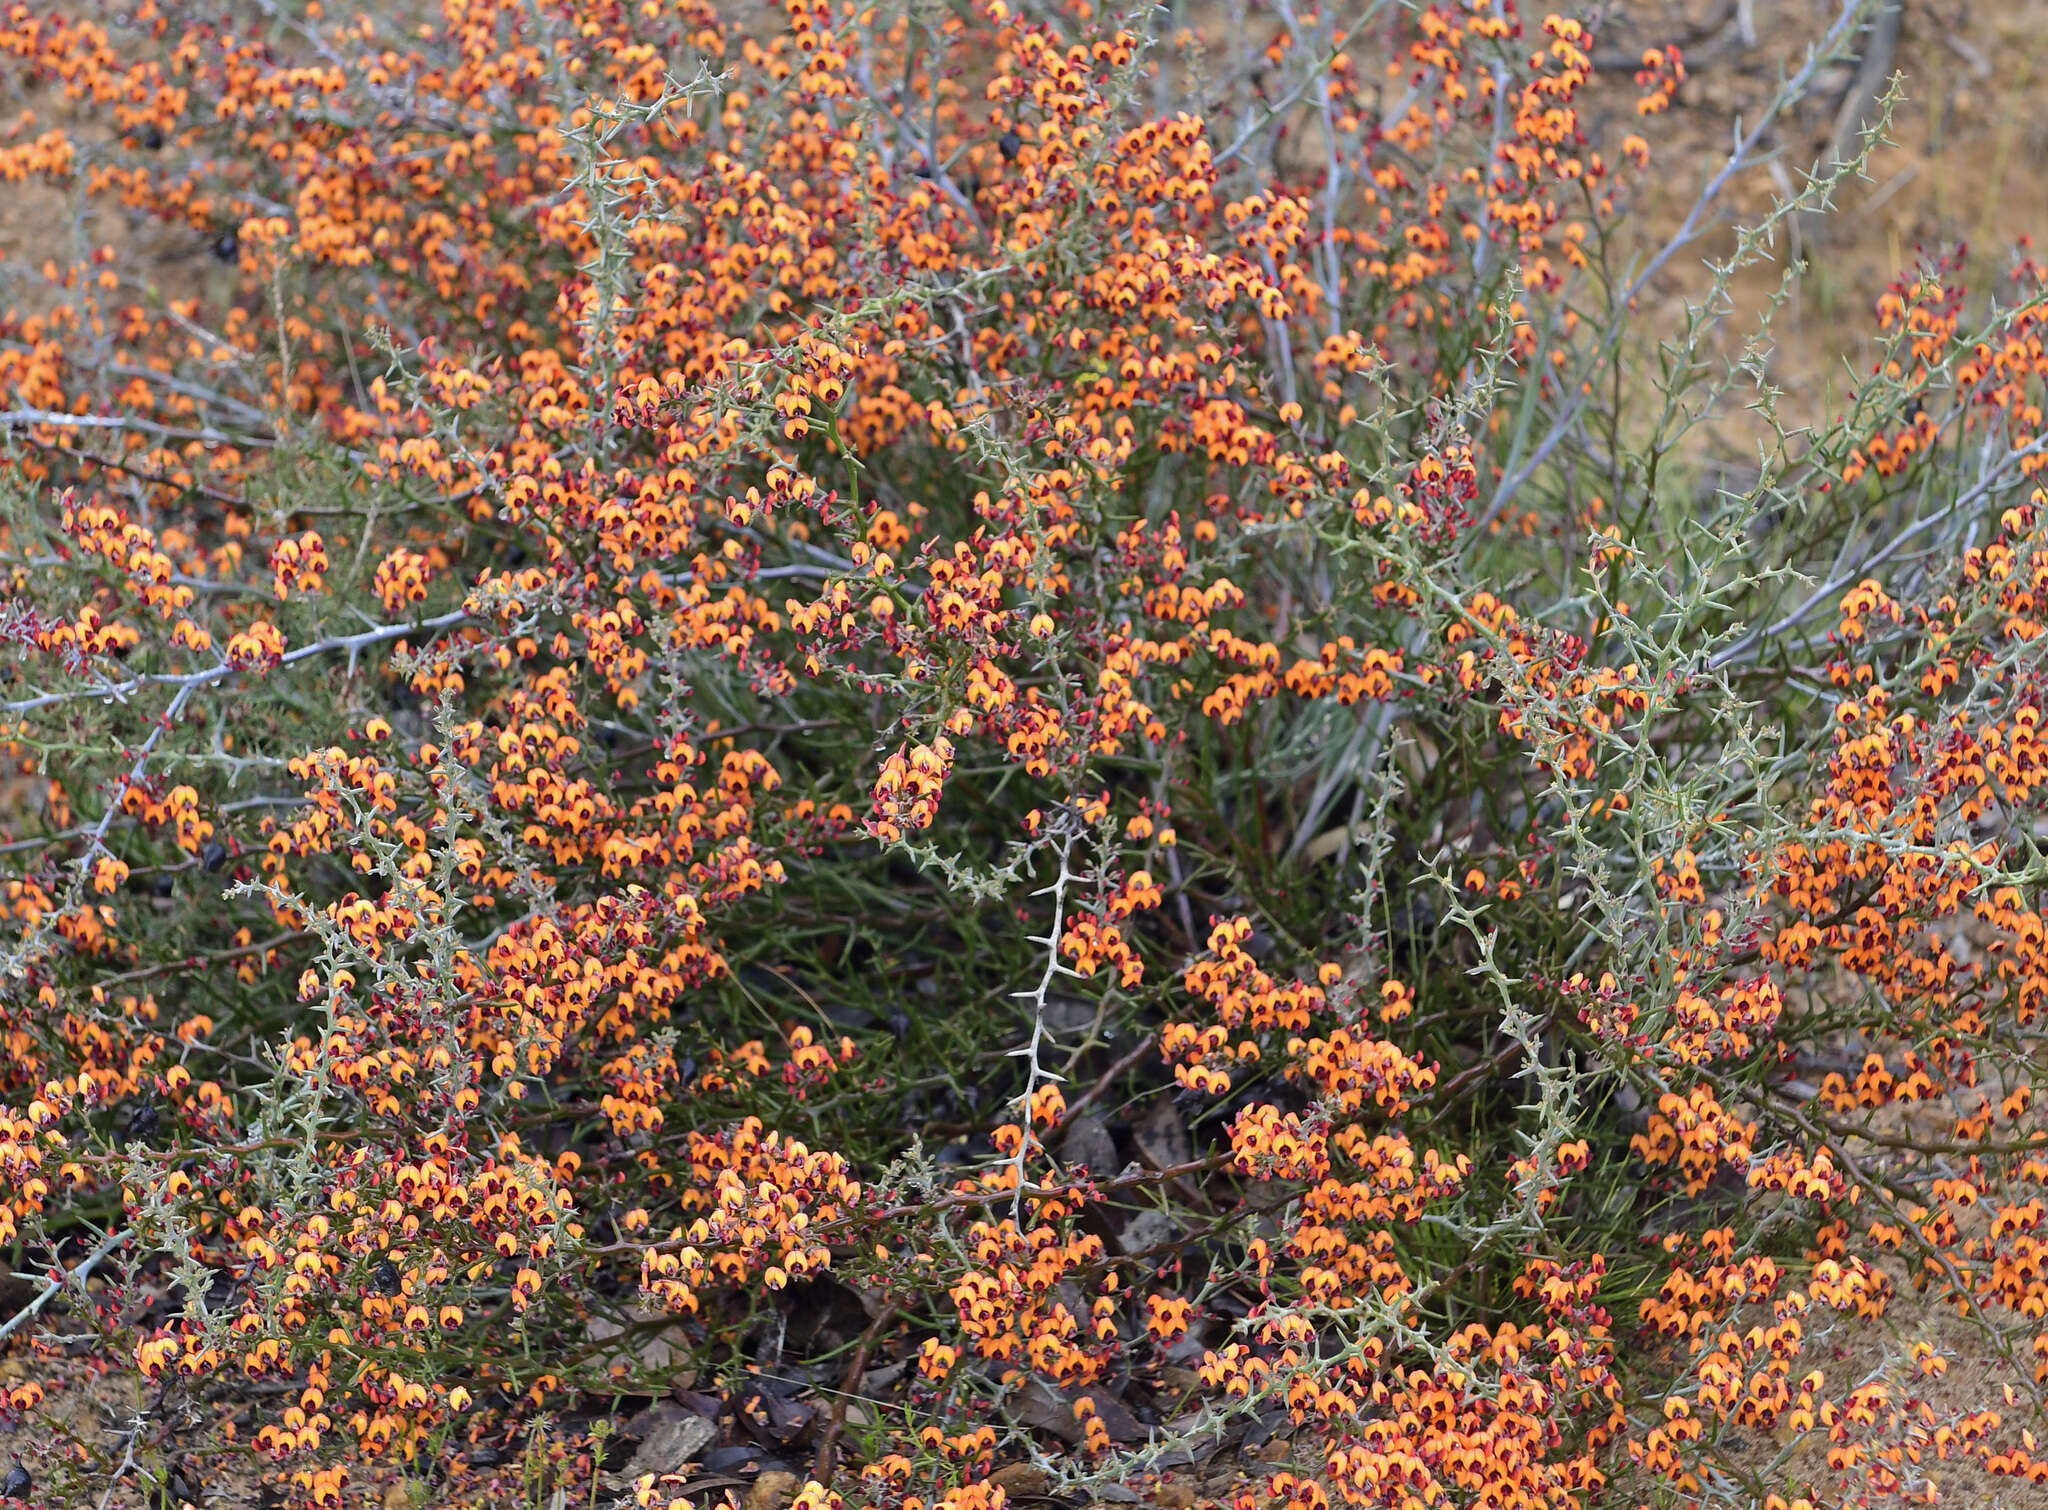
822	1465
1109	1077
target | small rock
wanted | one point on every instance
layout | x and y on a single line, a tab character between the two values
742	1460
1019	1478
772	1491
1147	1230
634	1341
1174	1495
1089	1144
670	1436
1069	1014
1163	1137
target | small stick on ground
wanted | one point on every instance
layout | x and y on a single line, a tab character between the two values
822	1465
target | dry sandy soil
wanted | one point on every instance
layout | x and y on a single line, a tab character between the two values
1963	165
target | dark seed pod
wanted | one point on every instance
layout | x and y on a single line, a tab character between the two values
228	247
166	884
386	1277
214	856
1009	144
152	139
486	1457
143	1123
17	1484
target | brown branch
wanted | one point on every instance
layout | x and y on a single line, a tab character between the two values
1490	1066
822	1465
1109	1078
199	961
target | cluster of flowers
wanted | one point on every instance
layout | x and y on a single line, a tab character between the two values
845	506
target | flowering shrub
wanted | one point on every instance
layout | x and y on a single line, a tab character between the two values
1018	740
